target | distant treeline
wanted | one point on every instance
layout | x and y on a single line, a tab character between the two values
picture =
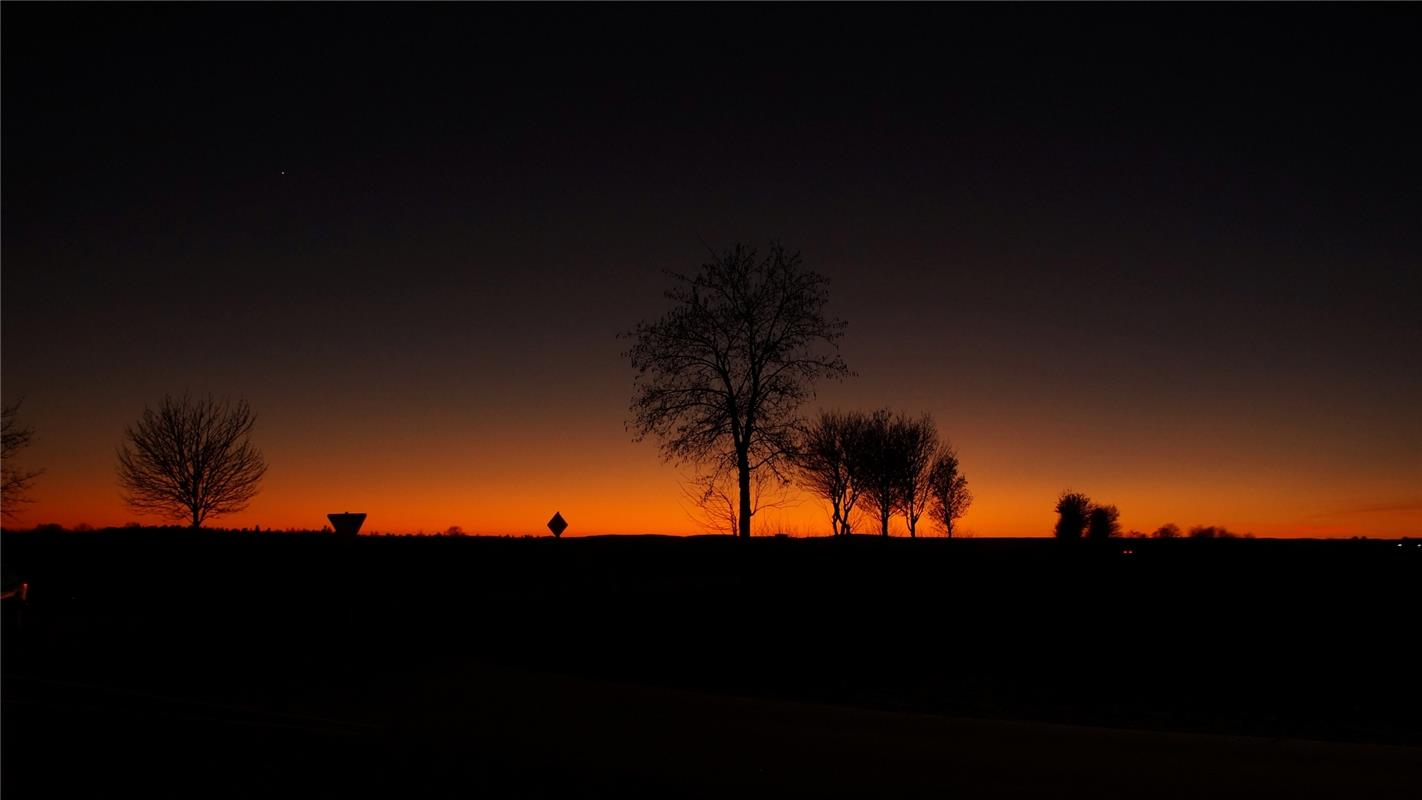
1078	517
1172	531
1169	531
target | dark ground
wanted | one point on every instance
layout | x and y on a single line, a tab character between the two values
182	664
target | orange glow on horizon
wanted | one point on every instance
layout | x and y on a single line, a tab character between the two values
645	497
504	465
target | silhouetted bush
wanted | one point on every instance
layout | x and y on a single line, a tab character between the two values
1103	522
1073	509
1167	531
1211	532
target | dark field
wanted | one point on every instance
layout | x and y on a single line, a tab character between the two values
215	664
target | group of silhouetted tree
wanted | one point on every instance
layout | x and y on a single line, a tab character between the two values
1078	516
883	464
1215	532
719	381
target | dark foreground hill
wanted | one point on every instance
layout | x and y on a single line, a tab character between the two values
239	664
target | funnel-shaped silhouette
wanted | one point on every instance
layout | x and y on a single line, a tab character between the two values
346	524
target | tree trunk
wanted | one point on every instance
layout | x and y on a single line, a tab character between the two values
884	519
743	478
197	521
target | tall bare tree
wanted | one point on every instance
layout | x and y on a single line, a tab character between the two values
823	467
15	482
721	374
191	459
949	491
917	442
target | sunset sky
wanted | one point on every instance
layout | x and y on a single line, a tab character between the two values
1118	250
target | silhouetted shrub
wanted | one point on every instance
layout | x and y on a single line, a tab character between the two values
1103	522
1073	509
1211	532
1167	531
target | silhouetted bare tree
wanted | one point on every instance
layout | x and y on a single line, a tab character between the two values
191	459
917	442
1103	522
1167	531
875	466
15	482
721	375
948	489
822	463
1073	509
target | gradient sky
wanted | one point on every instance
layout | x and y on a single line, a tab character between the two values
1167	256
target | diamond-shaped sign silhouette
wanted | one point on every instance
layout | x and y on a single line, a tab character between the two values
557	524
